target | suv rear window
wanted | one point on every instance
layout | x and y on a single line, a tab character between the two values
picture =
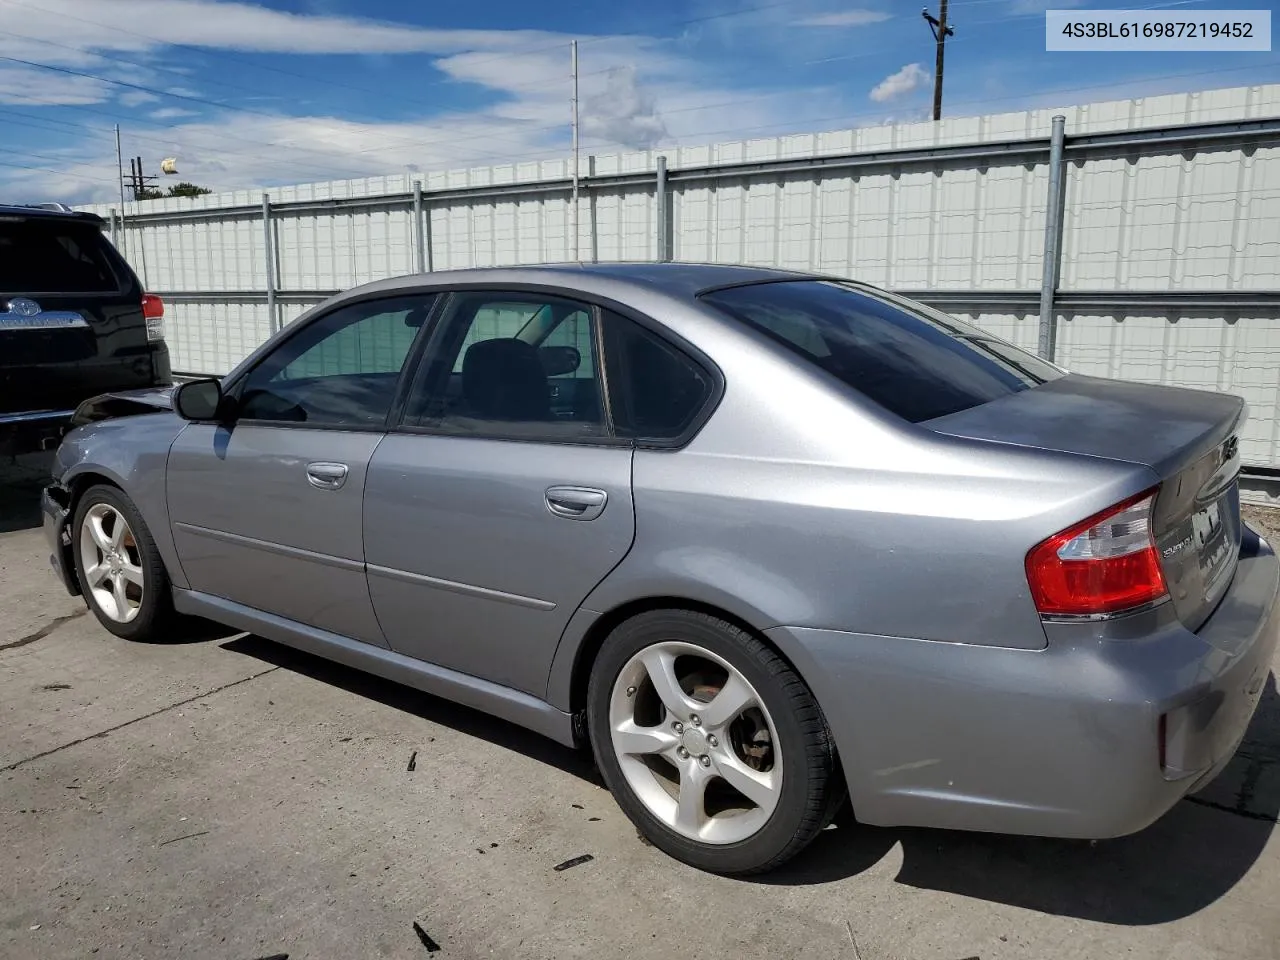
52	256
911	360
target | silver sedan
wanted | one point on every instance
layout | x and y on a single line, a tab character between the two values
765	542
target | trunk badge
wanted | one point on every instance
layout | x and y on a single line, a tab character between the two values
22	307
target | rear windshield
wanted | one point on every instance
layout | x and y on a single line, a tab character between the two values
48	256
913	361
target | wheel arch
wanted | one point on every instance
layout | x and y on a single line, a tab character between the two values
588	646
590	630
130	454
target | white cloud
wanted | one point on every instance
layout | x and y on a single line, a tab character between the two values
623	113
907	80
172	113
636	92
228	25
1029	7
32	87
847	18
136	98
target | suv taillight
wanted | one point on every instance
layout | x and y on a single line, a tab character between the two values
153	311
1103	565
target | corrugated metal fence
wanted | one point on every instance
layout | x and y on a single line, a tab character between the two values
1168	271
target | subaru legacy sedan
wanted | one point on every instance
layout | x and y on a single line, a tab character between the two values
766	542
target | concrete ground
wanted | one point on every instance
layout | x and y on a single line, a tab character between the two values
229	798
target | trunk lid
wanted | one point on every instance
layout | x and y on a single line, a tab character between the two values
1188	438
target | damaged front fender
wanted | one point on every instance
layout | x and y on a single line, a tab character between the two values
123	403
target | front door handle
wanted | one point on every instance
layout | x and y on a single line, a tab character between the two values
576	503
327	476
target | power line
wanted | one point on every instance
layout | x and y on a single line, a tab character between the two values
60	173
223	55
489	135
980	100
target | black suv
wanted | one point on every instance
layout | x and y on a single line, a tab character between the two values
74	323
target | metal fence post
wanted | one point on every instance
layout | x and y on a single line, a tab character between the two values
663	226
1051	269
592	220
419	240
269	263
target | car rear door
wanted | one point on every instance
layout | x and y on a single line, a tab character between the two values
496	506
267	509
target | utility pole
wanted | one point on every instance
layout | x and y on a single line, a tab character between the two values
139	183
120	169
573	49
940	33
124	237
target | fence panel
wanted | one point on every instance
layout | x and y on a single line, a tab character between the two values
1170	263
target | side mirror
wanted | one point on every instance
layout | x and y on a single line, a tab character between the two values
557	361
198	400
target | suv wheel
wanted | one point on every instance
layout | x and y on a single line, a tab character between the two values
710	742
121	574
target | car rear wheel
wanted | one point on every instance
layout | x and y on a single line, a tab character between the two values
710	742
119	568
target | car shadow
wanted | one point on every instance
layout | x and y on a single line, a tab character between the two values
1190	858
464	719
21	480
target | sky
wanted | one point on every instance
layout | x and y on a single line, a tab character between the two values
248	93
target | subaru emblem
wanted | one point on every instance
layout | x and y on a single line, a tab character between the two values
23	307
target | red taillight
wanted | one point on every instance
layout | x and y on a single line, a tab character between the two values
1105	564
152	306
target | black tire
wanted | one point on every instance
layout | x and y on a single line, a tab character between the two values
156	619
813	786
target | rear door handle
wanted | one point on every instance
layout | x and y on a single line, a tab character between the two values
576	503
327	476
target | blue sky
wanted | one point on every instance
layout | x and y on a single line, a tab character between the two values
286	91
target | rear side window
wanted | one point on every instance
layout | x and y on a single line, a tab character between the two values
39	256
913	361
656	391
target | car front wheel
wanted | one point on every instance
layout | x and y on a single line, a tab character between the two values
121	574
710	742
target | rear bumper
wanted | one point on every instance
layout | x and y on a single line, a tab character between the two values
1063	741
53	510
37	387
31	430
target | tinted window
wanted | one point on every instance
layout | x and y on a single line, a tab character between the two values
340	370
656	391
506	365
911	360
38	256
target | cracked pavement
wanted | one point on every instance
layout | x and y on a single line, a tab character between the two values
224	797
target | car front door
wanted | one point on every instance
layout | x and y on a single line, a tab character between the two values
505	495
267	509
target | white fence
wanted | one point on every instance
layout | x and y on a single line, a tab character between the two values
1169	265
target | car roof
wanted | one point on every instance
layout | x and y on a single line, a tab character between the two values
681	280
48	212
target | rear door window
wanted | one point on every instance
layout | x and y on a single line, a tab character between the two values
913	361
53	256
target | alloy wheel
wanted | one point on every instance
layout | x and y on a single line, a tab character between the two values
695	742
112	563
